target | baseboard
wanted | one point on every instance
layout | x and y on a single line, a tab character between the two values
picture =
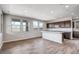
20	39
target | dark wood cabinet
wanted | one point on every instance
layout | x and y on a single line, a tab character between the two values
66	35
63	24
76	34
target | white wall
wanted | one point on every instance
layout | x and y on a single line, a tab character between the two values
9	36
1	34
0	22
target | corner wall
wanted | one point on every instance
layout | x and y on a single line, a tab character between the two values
1	33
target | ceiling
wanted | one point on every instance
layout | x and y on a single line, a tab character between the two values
42	11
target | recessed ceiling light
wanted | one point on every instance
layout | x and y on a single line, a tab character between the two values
51	12
66	6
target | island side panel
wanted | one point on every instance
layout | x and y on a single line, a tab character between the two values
52	36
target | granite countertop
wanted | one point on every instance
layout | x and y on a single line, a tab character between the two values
59	30
52	31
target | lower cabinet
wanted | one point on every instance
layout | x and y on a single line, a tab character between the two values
76	34
66	35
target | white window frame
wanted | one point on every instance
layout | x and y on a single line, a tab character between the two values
21	25
38	26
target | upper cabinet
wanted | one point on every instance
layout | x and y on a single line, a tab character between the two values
63	24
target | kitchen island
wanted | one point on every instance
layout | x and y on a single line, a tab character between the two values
56	34
52	36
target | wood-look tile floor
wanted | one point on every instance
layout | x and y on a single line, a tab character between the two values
40	46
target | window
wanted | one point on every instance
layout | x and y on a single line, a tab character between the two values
40	24
24	25
77	24
15	25
37	24
19	25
